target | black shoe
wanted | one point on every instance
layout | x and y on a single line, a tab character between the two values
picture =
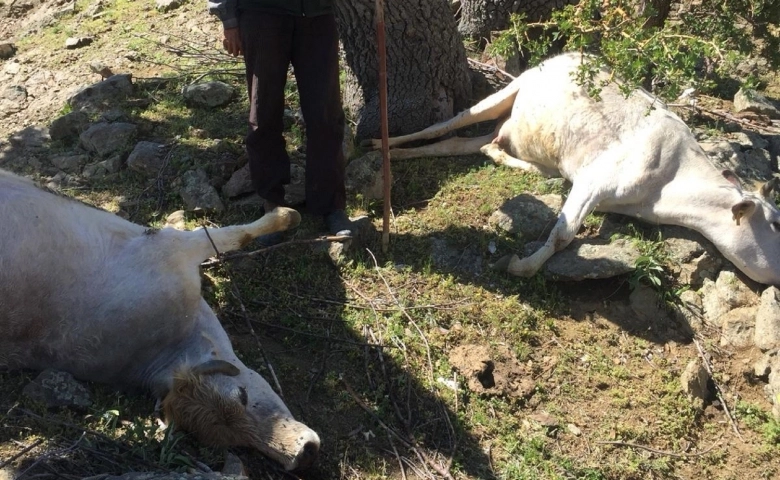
339	223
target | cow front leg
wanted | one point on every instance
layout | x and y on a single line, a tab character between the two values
580	203
199	245
450	147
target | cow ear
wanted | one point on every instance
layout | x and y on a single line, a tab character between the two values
745	209
731	177
766	189
216	366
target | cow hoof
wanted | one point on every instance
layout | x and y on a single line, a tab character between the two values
502	265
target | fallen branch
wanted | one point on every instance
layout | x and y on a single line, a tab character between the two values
232	256
718	390
16	456
618	443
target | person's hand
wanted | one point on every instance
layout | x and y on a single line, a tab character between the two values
232	41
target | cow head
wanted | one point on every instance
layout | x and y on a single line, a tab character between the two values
222	404
757	240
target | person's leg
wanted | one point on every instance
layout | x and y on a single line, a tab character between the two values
267	43
316	67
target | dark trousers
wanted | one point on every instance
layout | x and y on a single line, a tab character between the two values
270	43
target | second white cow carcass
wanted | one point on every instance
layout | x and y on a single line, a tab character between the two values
86	292
623	155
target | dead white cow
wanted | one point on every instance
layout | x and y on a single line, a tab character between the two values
624	155
86	292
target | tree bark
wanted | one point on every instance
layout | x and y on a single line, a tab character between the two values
480	17
428	78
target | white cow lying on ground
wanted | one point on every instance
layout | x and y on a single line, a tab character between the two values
86	292
621	156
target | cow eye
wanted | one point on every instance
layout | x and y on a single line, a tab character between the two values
241	396
775	226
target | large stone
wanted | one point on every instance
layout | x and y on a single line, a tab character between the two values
209	94
363	175
753	164
198	193
107	139
592	260
767	336
7	50
167	5
738	327
531	217
689	310
146	158
58	389
694	380
725	294
69	163
646	304
69	126
747	100
103	95
240	183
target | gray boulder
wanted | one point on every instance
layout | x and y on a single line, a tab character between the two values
146	158
107	139
209	94
103	95
592	260
767	336
747	100
69	126
198	193
58	389
363	175
69	163
240	183
529	216
738	327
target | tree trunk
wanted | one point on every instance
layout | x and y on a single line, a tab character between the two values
480	17
428	78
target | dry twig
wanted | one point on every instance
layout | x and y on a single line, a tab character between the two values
718	390
656	451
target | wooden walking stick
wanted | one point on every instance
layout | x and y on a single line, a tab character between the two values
382	86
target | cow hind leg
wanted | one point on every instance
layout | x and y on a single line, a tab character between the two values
500	157
450	147
201	243
580	203
493	107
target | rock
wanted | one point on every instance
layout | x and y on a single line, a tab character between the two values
69	163
77	42
694	380
531	217
7	50
13	99
106	139
723	295
574	429
103	95
750	165
233	466
103	168
167	5
58	389
767	334
738	327
696	271
176	220
96	66
209	94
764	365
197	192
749	140
12	68
146	158
592	260
683	250
240	183
646	304
748	100
69	126
690	311
772	389
363	176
